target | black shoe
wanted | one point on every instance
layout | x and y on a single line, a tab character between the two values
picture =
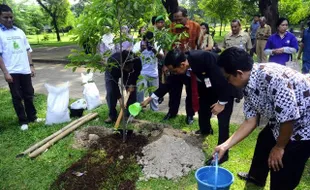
160	100
221	161
189	120
109	120
198	132
168	116
248	178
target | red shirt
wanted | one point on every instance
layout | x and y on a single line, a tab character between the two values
193	30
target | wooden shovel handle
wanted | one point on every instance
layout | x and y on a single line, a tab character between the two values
120	115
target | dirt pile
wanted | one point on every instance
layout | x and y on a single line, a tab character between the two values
173	155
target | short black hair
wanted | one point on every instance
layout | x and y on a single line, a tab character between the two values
5	8
233	59
153	20
236	20
206	25
279	22
148	35
181	9
175	57
257	15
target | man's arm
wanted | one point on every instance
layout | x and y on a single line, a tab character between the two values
277	152
243	131
7	76
33	72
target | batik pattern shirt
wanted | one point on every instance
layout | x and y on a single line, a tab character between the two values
280	94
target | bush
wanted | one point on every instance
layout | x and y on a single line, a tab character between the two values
46	37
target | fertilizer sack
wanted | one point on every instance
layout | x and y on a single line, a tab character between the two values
57	104
90	92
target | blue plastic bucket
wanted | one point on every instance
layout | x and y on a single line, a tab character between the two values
205	177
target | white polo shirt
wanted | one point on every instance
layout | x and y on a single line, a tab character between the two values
13	50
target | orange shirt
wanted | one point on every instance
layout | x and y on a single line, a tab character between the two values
193	30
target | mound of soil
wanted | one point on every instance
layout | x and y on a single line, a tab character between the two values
109	164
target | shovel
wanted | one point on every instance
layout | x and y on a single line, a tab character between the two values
120	115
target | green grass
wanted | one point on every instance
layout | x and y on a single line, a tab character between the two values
37	40
41	172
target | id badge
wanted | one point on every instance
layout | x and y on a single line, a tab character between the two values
208	83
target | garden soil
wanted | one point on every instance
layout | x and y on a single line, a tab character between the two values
161	152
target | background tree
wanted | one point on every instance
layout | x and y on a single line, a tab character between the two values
221	9
58	10
296	11
269	8
78	8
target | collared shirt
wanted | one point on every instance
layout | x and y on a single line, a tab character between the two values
263	33
13	50
242	40
280	94
275	42
193	30
254	27
306	41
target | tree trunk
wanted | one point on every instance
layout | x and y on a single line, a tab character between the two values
56	27
225	27
170	6
221	27
269	8
214	22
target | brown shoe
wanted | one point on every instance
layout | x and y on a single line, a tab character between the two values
109	121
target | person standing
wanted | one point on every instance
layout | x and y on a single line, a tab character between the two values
282	95
149	73
262	35
237	38
16	65
281	45
240	39
131	67
211	94
305	50
185	44
205	41
253	30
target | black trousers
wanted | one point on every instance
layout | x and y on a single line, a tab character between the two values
208	97
294	159
113	94
22	97
175	93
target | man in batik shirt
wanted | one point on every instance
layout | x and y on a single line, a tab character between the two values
282	95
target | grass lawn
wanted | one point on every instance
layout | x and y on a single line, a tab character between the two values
38	40
41	172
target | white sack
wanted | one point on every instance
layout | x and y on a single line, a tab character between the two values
57	104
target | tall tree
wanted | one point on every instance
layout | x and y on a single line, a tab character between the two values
57	10
221	9
269	8
170	6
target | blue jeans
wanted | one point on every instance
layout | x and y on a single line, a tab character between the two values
305	67
147	82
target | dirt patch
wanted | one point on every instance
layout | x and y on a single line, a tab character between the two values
110	164
173	155
90	136
159	149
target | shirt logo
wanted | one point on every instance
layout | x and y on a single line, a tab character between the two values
15	45
288	41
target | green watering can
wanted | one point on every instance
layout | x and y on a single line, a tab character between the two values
134	109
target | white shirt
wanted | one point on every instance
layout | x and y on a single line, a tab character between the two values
13	49
149	64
